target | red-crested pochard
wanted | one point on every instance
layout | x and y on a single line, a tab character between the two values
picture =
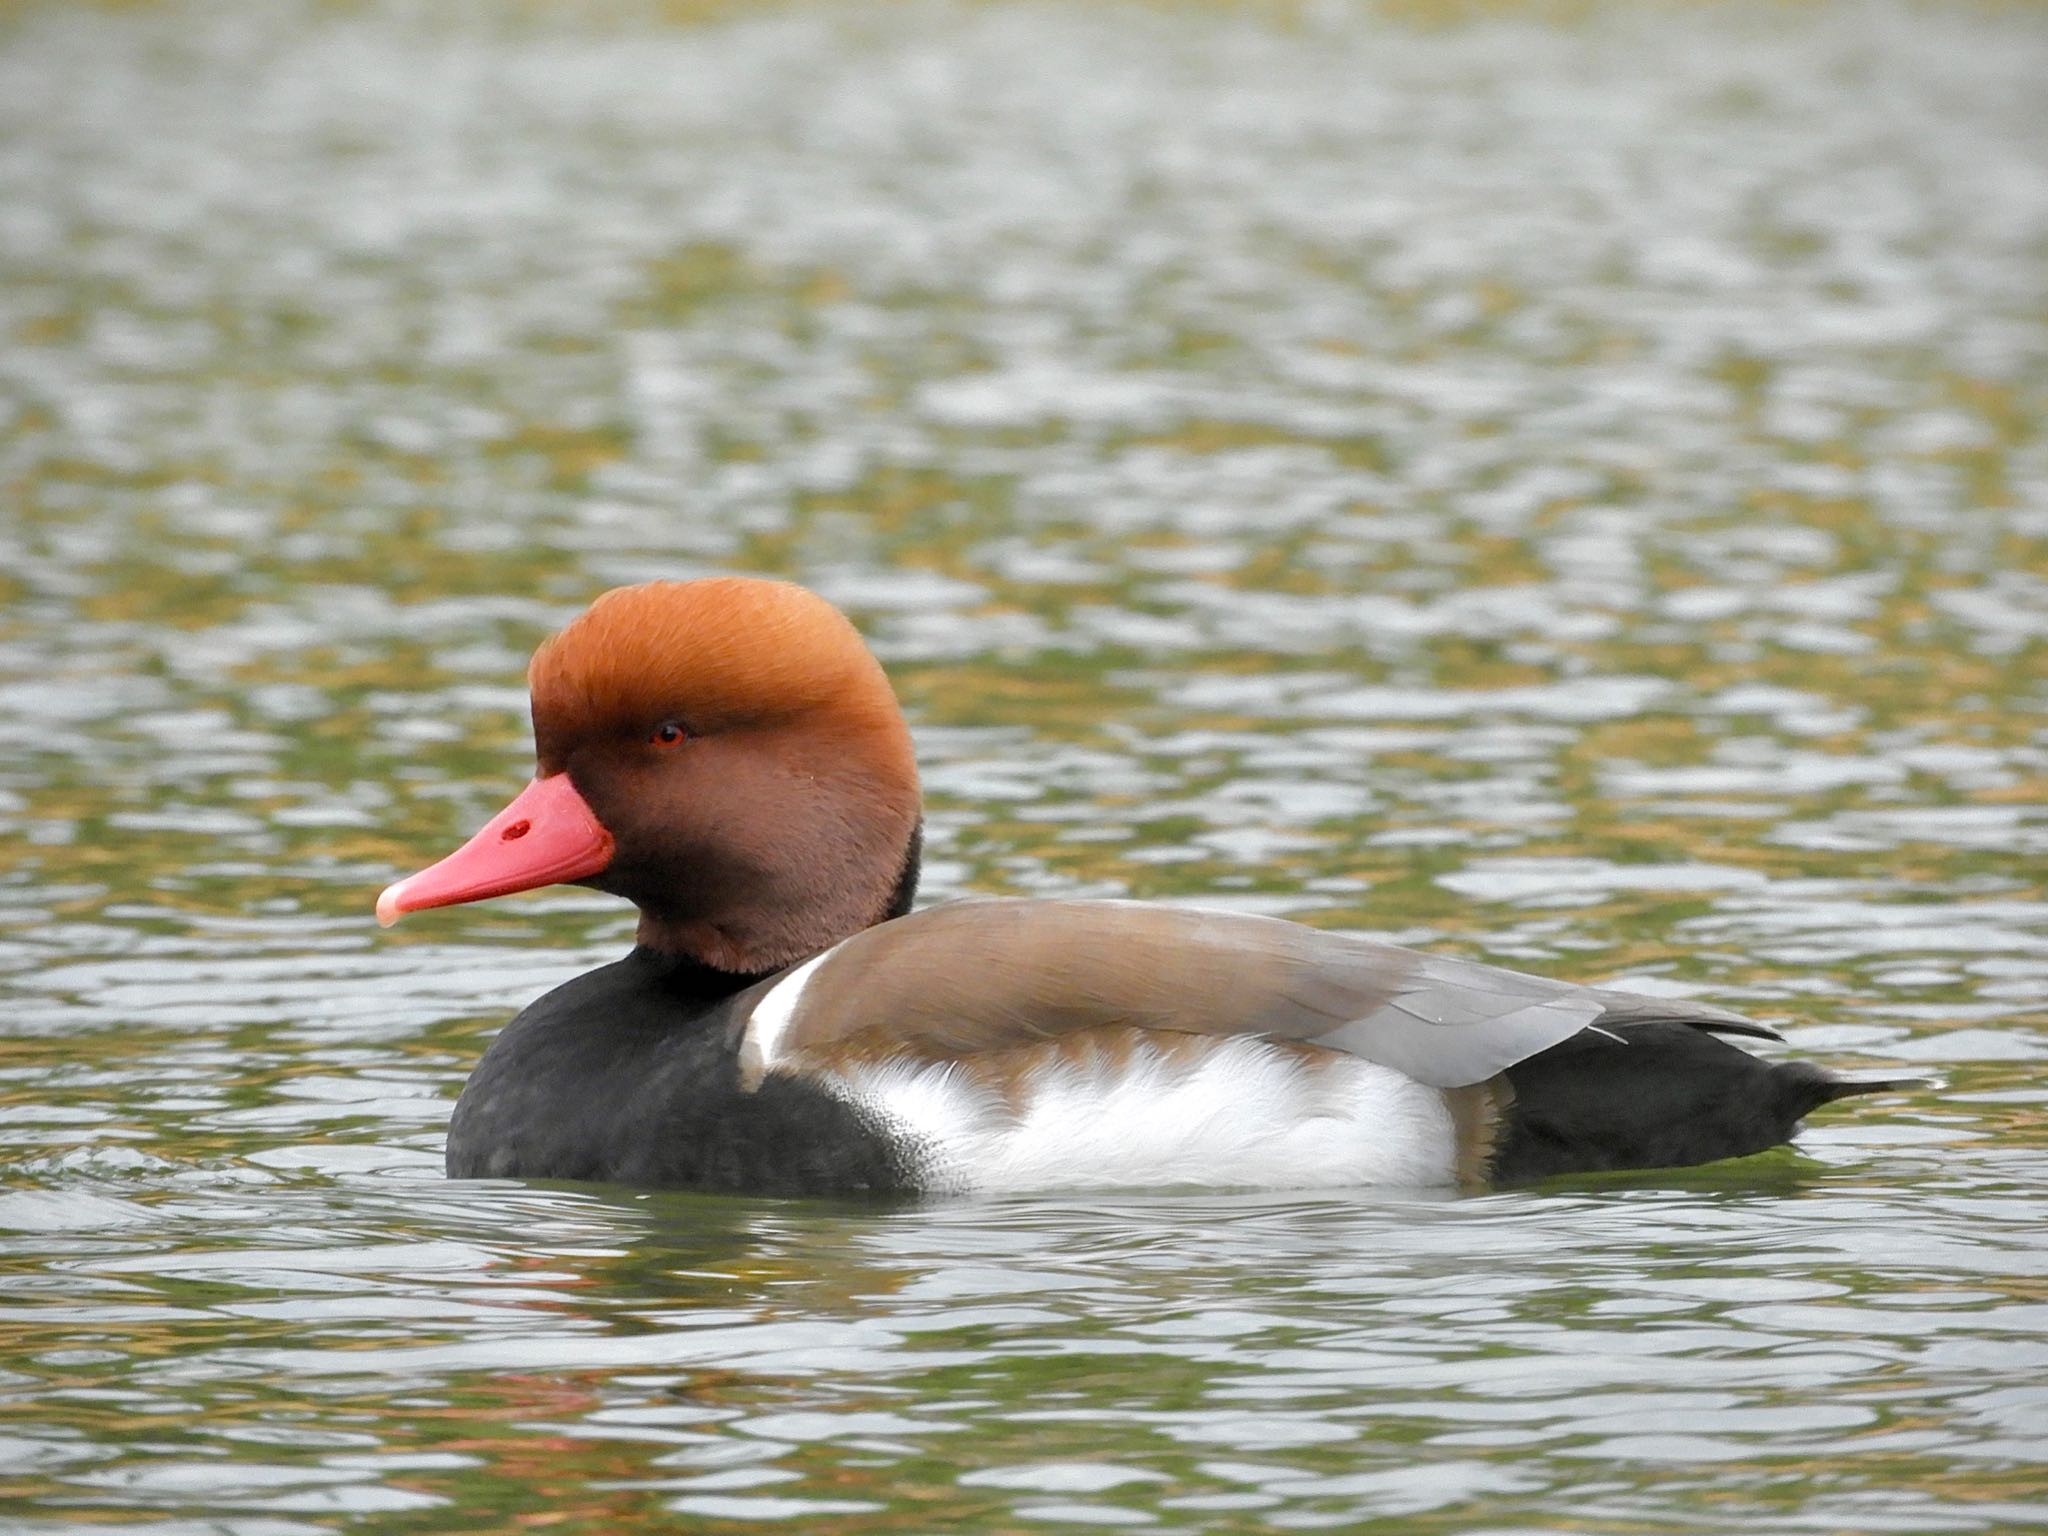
728	756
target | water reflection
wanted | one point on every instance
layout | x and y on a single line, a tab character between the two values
1563	489
737	1359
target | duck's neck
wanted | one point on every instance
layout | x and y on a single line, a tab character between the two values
707	957
688	979
905	892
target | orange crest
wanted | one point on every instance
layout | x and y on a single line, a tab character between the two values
714	654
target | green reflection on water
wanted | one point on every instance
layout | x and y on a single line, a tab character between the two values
1554	483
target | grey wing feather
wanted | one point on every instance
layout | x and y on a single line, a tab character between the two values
1449	1022
1634	1008
1441	1021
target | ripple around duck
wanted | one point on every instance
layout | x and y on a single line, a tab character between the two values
1564	489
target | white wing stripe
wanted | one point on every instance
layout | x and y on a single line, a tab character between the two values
770	1018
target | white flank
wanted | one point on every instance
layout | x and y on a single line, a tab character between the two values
1243	1115
772	1014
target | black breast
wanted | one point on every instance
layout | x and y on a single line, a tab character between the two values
630	1074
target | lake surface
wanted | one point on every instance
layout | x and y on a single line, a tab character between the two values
1562	485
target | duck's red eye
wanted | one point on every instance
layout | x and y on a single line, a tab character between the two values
669	734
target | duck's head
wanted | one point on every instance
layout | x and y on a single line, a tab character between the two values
724	753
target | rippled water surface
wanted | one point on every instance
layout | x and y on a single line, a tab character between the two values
1560	485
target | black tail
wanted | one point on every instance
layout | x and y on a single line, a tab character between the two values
1661	1095
1814	1087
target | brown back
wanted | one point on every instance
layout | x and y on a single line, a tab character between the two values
975	977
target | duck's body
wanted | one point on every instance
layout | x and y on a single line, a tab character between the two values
786	1026
654	1070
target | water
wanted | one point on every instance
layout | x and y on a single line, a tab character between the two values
1560	485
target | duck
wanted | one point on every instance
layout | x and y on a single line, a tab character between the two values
727	754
